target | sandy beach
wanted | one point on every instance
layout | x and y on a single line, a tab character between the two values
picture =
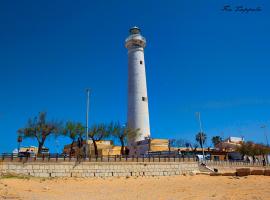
201	187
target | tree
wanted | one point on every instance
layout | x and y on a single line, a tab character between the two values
245	148
122	133
39	128
193	147
201	138
250	148
98	132
263	150
216	140
74	131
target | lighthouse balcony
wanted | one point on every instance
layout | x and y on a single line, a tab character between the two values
135	39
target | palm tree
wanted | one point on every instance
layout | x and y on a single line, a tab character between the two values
122	133
201	138
216	140
74	131
39	128
96	133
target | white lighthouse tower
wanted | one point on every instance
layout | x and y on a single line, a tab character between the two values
138	114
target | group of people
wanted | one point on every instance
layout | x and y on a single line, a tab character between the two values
255	160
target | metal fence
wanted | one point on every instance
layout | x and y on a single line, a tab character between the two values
236	163
54	157
67	158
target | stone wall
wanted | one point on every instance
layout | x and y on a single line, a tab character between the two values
98	169
224	167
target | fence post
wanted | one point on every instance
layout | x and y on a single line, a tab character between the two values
137	158
56	157
159	158
143	158
114	158
12	157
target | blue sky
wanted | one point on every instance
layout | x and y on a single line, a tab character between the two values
198	58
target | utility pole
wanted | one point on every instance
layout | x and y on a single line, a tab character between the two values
265	134
201	132
87	121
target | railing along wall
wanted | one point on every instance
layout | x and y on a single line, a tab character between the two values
235	163
9	157
116	158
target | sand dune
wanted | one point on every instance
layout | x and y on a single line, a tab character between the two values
201	187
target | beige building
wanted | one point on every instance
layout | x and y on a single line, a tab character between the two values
151	145
33	149
230	144
104	147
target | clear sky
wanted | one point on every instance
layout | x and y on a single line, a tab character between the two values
198	58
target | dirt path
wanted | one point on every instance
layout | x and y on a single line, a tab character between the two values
200	187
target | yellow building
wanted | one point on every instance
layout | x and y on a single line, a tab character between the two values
147	145
104	148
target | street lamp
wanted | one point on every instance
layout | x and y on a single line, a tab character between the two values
87	121
265	134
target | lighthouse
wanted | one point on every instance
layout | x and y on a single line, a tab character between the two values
138	114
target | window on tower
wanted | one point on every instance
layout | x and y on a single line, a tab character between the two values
144	98
141	62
